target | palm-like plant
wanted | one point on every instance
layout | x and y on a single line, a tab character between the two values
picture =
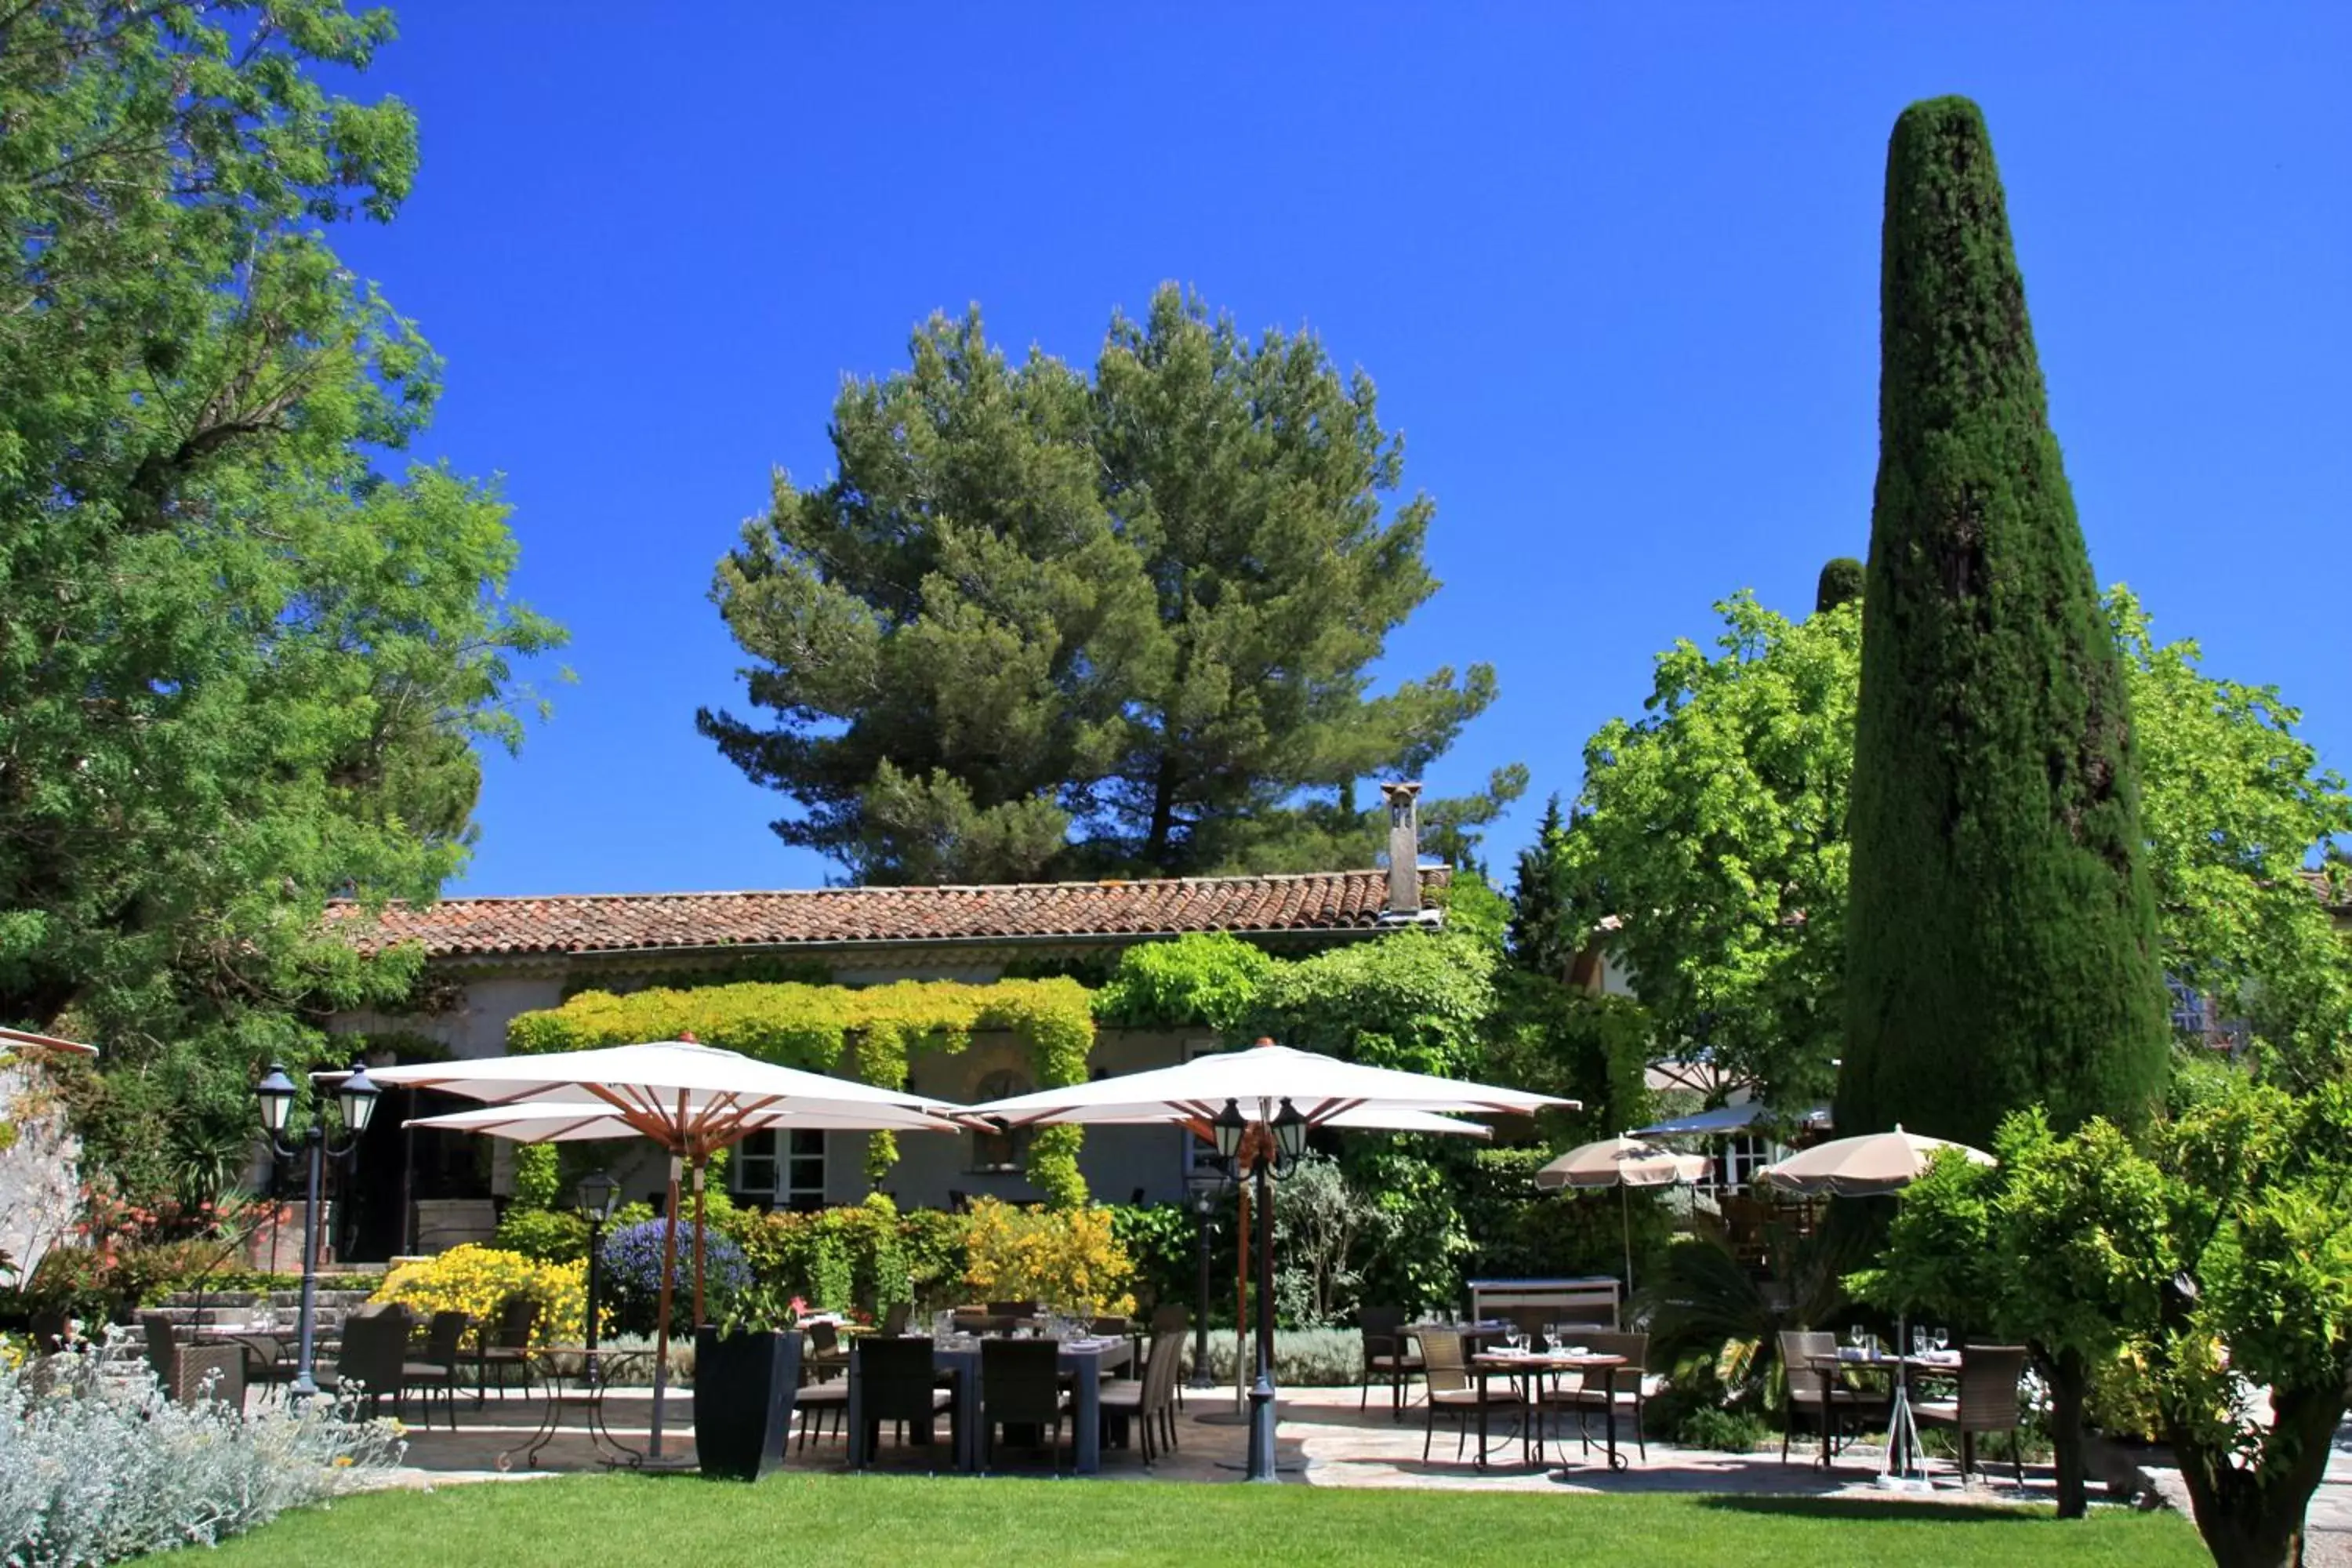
1702	1298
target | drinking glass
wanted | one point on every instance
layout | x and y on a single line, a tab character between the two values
1918	1340
1943	1340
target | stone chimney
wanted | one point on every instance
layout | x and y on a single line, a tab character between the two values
1404	849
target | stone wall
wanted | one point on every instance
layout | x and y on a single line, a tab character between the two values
40	1183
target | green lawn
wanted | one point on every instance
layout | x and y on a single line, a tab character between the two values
583	1521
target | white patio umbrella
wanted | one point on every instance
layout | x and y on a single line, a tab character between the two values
1319	1087
1259	1104
691	1098
1621	1163
1873	1164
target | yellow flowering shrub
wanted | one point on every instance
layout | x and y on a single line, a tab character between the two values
1067	1259
477	1281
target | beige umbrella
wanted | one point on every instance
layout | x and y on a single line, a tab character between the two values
1621	1163
1873	1164
691	1098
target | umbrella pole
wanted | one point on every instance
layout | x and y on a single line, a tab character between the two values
661	1328
1625	1209
1241	1305
699	1170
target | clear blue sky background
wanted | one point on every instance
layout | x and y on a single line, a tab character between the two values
1615	269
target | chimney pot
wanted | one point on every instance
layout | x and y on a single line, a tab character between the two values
1405	847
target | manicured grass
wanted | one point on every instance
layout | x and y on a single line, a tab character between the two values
585	1522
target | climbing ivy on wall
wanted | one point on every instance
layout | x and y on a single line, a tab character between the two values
868	1034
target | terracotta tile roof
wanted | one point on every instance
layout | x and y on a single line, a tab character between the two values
619	922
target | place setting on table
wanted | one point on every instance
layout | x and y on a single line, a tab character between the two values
1529	1357
1930	1355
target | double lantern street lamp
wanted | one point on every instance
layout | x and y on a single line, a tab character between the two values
1271	1145
594	1199
355	1097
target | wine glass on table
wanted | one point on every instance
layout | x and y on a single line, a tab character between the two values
1943	1340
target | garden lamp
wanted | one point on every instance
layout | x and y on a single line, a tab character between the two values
357	1099
597	1196
276	1093
1229	1128
1289	1139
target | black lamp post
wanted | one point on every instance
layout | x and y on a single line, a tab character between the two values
1211	1180
594	1199
1279	1143
355	1097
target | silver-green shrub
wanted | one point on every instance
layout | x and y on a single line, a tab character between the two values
1303	1358
95	1466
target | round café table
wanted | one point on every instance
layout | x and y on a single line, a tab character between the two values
581	1390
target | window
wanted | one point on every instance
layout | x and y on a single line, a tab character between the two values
782	1170
997	1150
2188	1014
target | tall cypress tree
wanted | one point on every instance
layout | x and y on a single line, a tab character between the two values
2001	933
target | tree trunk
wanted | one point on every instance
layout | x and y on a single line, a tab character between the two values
2070	1382
2253	1517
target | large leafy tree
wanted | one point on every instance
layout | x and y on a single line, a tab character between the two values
1709	845
1709	838
239	663
1044	622
2002	945
2218	1246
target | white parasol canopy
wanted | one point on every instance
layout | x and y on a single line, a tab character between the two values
581	1121
691	1098
1321	1088
1870	1166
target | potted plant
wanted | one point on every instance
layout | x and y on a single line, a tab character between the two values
747	1371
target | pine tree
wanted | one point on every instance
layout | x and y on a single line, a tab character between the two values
1539	937
2001	933
1043	624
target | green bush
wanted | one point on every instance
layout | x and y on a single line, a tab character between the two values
1161	1238
550	1236
840	1258
1732	1431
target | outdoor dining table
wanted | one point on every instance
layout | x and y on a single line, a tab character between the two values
1083	1362
1947	1364
582	1391
1521	1363
266	1350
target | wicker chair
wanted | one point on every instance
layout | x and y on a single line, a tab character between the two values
1148	1402
1021	1385
827	1357
1584	1396
1171	1318
894	1319
1986	1402
815	1399
433	1369
1013	1309
188	1373
373	1357
1386	1357
507	1347
897	1382
1797	1349
1451	1389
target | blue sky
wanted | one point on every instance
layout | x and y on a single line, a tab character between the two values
1615	269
